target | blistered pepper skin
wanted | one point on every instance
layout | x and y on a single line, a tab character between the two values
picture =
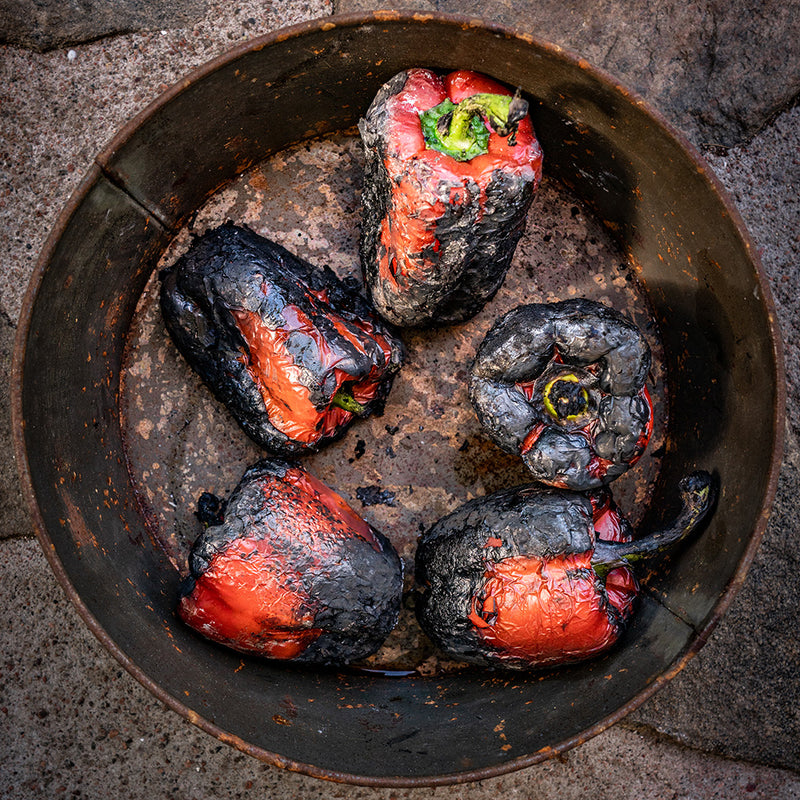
438	234
508	580
534	577
564	386
292	573
277	340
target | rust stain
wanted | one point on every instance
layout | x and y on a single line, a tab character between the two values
80	531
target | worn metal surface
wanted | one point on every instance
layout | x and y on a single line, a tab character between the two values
719	358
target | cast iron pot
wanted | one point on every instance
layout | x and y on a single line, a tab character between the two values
648	186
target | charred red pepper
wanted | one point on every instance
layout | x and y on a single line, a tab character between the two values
452	165
289	571
533	577
294	353
563	385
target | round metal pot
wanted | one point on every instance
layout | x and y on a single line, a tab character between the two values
642	180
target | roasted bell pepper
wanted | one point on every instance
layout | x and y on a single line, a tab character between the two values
287	570
452	165
563	385
294	353
534	577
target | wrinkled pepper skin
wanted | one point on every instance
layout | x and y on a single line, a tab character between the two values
563	385
294	353
291	572
438	234
534	577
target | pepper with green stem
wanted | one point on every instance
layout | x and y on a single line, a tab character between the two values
459	131
451	168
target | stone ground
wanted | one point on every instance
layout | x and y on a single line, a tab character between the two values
74	724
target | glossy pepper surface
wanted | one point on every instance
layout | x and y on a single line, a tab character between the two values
294	353
564	386
290	572
535	577
452	165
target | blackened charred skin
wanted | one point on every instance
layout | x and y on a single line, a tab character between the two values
515	388
474	256
472	262
236	302
470	243
541	528
312	582
210	509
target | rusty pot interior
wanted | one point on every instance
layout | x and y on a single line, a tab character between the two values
117	437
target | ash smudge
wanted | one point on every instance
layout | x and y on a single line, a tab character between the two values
375	496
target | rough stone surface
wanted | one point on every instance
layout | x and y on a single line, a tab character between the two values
763	180
44	24
717	70
75	724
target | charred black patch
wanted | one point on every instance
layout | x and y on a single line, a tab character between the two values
375	496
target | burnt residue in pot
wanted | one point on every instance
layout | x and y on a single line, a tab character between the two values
535	577
287	570
294	353
563	385
440	225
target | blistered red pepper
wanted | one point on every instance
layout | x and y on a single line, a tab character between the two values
534	577
564	386
288	571
294	353
452	165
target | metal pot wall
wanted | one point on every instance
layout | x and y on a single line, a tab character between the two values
706	291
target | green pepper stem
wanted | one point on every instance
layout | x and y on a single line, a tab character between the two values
459	130
345	400
696	498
